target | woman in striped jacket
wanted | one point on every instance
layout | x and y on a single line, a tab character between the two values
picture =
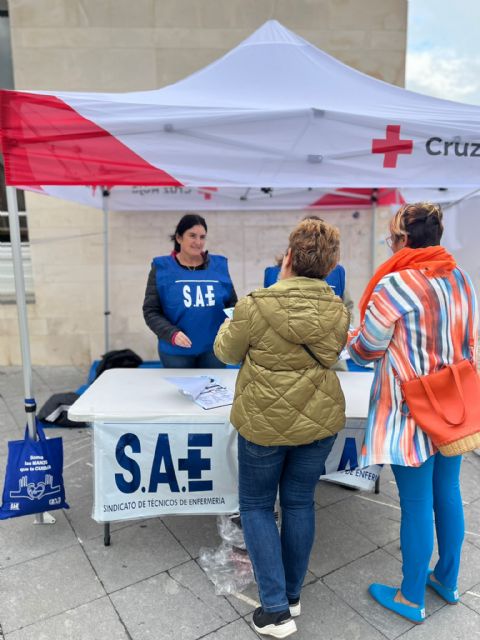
418	313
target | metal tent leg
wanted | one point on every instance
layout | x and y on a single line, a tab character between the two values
106	534
19	277
106	268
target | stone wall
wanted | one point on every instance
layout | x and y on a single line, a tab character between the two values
115	45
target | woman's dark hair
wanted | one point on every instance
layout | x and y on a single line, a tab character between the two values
188	221
421	223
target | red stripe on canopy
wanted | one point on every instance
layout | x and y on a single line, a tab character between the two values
358	198
46	142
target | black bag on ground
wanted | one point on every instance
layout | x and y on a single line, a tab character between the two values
120	358
55	410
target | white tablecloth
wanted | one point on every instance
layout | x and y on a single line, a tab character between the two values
157	452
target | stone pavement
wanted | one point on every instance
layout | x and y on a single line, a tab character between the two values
59	582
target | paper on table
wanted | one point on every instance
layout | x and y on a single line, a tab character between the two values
207	392
190	386
214	396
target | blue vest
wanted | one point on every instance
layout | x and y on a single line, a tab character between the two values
193	301
336	279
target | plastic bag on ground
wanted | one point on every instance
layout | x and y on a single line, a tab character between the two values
228	567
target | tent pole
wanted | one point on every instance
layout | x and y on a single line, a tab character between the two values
106	268
452	204
19	277
29	402
374	231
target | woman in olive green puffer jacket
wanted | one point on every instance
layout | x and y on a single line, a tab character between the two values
288	406
283	395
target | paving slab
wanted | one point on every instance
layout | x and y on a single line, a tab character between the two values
78	467
22	540
3	406
9	429
11	383
248	600
16	404
238	630
336	544
351	585
96	620
137	552
470	479
325	615
327	493
388	491
472	522
46	586
449	623
469	565
80	518
160	592
60	379
373	519
471	599
472	457
168	611
191	577
78	474
194	532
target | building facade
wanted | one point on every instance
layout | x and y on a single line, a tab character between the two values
115	45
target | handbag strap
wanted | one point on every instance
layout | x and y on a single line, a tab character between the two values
436	405
40	432
311	354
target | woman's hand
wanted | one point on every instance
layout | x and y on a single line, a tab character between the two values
181	340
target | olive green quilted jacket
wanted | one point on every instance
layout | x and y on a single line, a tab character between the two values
283	396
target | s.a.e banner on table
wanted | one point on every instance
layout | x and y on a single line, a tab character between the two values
146	469
342	463
151	469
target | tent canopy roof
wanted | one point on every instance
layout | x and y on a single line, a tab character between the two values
275	111
276	70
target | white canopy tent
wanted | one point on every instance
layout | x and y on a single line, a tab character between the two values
274	113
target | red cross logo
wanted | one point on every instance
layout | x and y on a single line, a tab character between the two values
391	146
207	192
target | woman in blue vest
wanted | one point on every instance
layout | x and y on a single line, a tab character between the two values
186	294
336	278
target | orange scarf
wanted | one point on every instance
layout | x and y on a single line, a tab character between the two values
433	261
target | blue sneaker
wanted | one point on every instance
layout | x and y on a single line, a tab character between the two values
385	596
449	595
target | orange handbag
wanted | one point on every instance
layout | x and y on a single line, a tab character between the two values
446	405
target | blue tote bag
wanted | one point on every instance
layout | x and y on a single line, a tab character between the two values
33	479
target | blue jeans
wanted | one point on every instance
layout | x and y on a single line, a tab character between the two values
432	488
206	360
280	562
